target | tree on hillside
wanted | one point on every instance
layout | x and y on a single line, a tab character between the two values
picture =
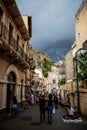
46	67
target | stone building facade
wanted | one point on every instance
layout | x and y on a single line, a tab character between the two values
14	56
80	42
81	25
53	79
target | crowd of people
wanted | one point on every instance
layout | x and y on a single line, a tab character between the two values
47	103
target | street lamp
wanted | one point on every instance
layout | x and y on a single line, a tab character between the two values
77	85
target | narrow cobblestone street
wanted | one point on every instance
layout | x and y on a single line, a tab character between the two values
29	120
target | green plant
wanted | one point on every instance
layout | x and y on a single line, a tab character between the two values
62	81
82	64
46	67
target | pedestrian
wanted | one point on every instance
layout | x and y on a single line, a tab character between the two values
46	105
42	108
29	98
50	108
14	106
59	99
56	101
32	99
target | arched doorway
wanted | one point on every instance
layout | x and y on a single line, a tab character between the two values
10	89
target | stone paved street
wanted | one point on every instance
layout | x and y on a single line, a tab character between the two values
29	120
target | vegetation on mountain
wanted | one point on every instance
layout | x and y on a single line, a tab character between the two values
46	67
43	61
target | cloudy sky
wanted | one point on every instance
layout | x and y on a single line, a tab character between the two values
53	30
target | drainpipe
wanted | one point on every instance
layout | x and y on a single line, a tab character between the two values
77	86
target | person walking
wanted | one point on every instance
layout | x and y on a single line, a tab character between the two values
56	101
42	108
50	108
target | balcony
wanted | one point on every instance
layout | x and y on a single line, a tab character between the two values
13	10
8	47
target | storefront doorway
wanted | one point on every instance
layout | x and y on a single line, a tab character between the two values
10	89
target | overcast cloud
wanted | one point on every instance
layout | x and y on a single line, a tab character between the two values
53	30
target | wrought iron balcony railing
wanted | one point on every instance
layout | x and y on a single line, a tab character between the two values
12	42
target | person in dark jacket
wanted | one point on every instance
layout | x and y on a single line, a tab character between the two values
42	108
56	101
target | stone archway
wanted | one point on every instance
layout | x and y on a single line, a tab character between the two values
14	69
11	86
12	78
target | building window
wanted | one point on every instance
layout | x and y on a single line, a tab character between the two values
10	33
17	44
1	14
54	81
